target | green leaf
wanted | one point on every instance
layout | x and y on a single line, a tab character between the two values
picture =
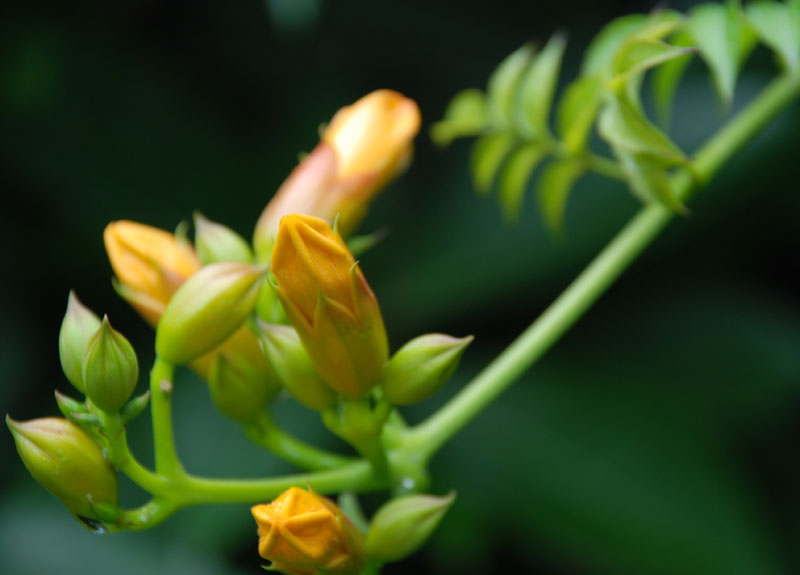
667	77
515	176
638	55
554	187
537	87
488	154
577	111
778	26
648	180
720	35
467	114
627	129
600	55
503	83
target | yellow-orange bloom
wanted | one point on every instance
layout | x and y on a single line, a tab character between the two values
150	264
305	534
366	145
330	304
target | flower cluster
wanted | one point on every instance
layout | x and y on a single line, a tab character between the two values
294	312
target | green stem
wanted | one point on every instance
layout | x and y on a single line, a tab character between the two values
161	386
265	433
148	515
605	166
120	456
587	288
190	490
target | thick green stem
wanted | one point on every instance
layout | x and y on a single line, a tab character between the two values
161	386
587	288
265	433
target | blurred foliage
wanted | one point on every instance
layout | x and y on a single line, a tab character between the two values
658	436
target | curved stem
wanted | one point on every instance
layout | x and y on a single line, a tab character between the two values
167	463
587	288
148	515
190	490
265	433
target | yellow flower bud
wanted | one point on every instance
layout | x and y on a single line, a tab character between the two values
330	304
149	263
305	534
364	147
68	463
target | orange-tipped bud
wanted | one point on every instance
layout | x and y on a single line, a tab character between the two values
305	534
328	300
364	147
149	263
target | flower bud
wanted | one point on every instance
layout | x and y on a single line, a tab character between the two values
206	310
110	368
66	462
217	243
150	265
421	367
403	525
366	145
305	534
241	380
327	299
294	368
78	327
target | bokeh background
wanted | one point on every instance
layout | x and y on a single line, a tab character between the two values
659	436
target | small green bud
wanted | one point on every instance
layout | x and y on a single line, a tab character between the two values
110	368
135	406
403	525
68	463
421	367
207	309
78	327
238	389
217	243
294	368
70	407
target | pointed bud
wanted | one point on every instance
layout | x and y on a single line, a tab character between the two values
150	265
207	309
421	367
241	380
303	533
78	327
329	302
69	407
135	406
364	147
404	524
294	368
110	368
217	243
66	462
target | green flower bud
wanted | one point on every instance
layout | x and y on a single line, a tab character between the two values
403	525
217	243
241	381
68	463
78	327
110	368
70	407
295	370
421	367
207	309
135	406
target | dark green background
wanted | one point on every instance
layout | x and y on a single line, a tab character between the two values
658	437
